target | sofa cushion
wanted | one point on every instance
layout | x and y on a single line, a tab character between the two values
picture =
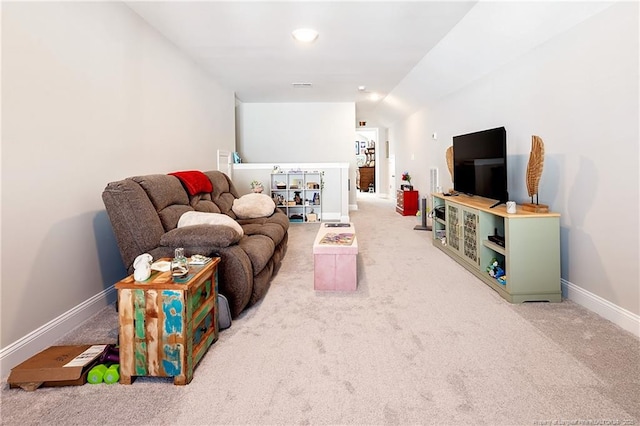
167	196
253	205
223	192
163	190
170	216
202	203
201	218
259	248
278	217
203	239
271	230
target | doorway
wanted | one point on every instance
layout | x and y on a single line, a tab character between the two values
366	158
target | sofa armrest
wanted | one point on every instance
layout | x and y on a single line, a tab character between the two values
201	238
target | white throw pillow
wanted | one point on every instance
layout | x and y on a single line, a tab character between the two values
251	206
203	218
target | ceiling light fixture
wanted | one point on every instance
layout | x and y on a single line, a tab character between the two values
362	88
305	35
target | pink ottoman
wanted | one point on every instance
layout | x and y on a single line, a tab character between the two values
335	250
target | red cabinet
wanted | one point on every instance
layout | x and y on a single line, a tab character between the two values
407	202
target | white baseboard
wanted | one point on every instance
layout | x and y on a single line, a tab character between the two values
51	332
614	313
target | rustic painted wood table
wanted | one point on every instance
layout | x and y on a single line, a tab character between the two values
166	327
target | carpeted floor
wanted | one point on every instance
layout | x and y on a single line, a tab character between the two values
421	341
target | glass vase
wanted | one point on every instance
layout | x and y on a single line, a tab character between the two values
179	265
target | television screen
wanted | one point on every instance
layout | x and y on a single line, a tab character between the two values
480	164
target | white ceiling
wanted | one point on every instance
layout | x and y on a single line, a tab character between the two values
248	47
406	51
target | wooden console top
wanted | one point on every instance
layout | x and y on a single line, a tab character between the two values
485	204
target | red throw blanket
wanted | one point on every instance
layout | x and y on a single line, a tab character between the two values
195	181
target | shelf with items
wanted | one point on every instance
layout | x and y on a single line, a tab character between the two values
493	227
518	255
298	194
493	256
439	226
493	247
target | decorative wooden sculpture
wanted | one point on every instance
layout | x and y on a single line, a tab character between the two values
534	171
449	155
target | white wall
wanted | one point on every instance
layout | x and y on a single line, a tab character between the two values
579	93
298	133
91	94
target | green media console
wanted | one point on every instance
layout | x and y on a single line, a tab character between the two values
529	254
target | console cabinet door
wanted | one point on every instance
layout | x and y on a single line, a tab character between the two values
470	236
462	232
454	232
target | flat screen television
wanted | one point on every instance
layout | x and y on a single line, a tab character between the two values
480	164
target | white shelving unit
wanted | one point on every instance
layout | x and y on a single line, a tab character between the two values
298	194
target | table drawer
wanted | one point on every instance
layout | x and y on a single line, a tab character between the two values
200	293
204	327
400	199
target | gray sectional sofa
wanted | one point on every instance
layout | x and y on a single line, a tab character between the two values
144	212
